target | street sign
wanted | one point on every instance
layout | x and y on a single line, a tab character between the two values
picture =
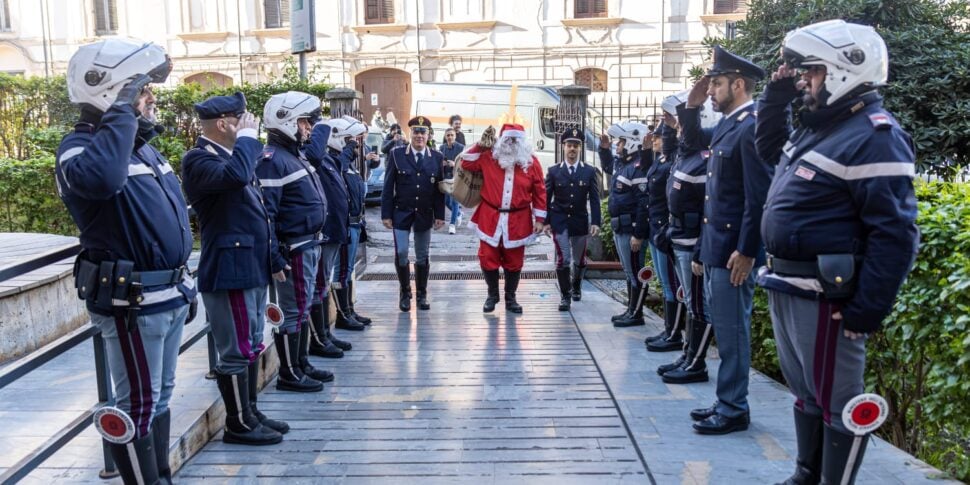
303	29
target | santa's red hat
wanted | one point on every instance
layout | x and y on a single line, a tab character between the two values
512	130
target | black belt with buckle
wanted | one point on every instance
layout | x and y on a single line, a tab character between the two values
793	268
163	277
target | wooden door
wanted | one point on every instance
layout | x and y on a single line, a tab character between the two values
387	89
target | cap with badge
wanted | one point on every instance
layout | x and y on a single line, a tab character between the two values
419	124
573	135
221	107
728	63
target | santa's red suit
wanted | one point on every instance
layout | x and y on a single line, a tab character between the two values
513	192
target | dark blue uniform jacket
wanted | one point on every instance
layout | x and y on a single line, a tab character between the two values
411	197
567	197
657	175
337	221
356	187
223	190
293	197
842	185
737	184
629	201
127	204
686	184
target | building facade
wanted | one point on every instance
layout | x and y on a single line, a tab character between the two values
630	49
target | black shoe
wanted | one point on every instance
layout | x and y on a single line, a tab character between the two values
809	435
634	315
579	272
421	274
404	280
671	320
135	460
320	343
629	300
703	413
685	375
562	276
491	280
305	365
161	433
839	465
353	311
341	344
663	369
253	375
511	285
721	424
291	376
242	427
659	336
669	344
345	319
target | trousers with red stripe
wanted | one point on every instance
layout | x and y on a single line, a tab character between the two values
824	368
295	295
142	362
237	318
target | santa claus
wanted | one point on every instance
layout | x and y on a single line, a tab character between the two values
512	210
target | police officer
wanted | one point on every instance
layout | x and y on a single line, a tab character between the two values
411	202
839	228
628	205
737	183
664	150
570	185
297	207
343	147
685	199
219	176
135	238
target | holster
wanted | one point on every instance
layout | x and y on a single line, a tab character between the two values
837	275
622	223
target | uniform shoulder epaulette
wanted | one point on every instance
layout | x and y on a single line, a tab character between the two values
880	121
743	115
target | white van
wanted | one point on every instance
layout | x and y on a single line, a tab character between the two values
481	105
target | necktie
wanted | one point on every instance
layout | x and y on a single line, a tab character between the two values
420	156
572	171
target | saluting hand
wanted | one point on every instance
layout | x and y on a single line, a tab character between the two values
248	120
698	93
604	141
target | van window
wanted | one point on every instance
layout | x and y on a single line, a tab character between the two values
546	117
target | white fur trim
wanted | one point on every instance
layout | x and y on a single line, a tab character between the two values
513	133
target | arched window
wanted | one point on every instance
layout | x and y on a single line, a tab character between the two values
594	79
209	80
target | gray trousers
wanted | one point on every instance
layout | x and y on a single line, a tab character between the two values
237	318
823	367
729	307
570	249
329	255
295	294
142	362
422	245
631	261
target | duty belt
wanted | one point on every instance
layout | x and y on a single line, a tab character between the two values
293	241
792	268
678	221
150	278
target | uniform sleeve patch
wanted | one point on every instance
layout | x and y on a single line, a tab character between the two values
880	120
805	173
268	152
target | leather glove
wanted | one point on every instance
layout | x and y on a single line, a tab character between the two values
193	310
352	144
130	94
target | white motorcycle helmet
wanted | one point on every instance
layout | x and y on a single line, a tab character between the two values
341	128
631	131
855	56
96	72
283	110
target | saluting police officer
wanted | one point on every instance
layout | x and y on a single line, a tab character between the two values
411	202
135	234
628	205
685	199
737	183
570	185
297	208
219	177
839	228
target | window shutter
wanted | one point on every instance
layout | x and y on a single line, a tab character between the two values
4	16
277	13
105	16
379	12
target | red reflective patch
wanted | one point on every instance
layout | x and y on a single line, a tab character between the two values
113	425
865	413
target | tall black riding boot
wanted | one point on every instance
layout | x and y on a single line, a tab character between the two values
562	275
404	279
809	432
345	319
291	376
675	339
353	311
320	343
253	374
671	318
422	271
635	315
840	464
579	272
242	427
491	280
305	365
629	303
511	285
161	435
136	464
695	367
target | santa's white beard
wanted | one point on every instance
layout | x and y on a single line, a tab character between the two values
509	154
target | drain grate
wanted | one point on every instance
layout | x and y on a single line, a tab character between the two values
459	275
459	258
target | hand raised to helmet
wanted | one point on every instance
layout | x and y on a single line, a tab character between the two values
248	120
132	91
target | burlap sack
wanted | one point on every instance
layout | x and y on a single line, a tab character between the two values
467	186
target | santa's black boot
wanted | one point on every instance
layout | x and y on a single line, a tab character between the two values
511	286
491	280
